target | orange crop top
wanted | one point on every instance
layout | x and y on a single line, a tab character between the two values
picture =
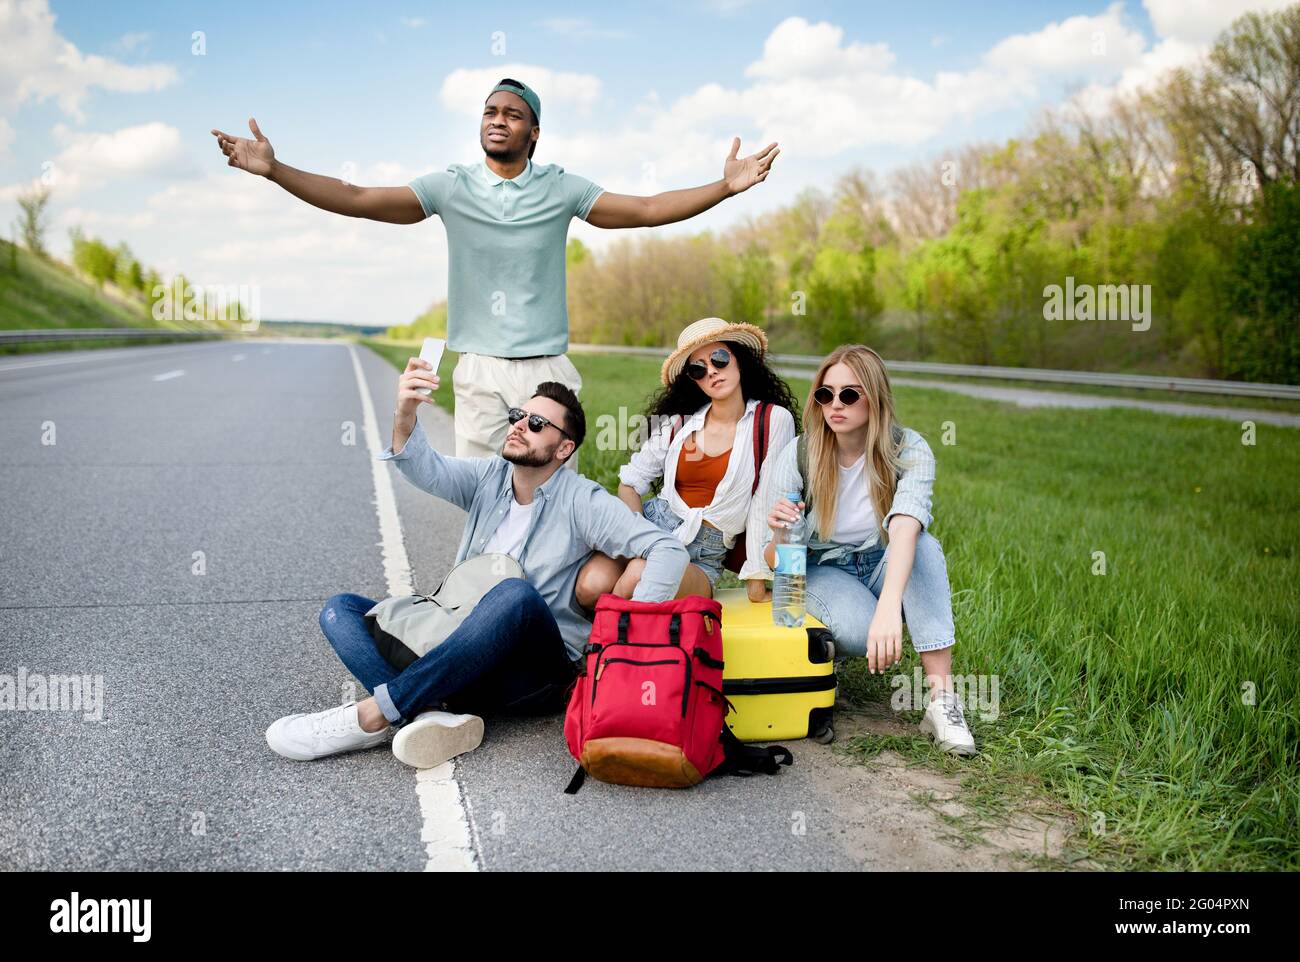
699	474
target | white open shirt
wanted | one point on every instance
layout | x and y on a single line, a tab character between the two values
729	509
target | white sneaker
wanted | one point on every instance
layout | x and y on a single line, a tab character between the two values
305	738
945	722
435	736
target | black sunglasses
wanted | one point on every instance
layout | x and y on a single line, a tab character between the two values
824	396
698	369
535	421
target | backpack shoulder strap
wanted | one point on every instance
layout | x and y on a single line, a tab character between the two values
761	432
745	760
801	454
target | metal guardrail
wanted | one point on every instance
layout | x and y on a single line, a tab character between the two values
1141	381
103	334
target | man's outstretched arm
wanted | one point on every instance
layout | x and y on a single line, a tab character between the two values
738	175
392	205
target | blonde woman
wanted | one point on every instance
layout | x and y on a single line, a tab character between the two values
865	483
717	391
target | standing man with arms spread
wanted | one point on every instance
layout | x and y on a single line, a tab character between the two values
507	222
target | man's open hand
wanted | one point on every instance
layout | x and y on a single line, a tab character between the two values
254	156
744	172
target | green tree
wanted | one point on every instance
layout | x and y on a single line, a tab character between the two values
842	298
32	203
1267	289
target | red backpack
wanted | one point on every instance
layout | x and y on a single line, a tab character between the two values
649	709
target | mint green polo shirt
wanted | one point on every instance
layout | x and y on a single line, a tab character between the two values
506	242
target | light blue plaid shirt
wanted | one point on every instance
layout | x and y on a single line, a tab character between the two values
913	496
572	517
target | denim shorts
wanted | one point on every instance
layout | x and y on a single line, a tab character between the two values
708	550
842	593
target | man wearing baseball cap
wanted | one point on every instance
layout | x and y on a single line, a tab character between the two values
507	222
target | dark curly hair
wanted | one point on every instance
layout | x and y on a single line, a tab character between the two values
757	382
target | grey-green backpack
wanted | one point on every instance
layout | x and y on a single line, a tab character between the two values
406	628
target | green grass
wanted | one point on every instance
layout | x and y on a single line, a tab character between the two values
1123	696
41	293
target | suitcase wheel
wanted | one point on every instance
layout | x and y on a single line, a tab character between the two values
821	725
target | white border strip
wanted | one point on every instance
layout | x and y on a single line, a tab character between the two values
445	829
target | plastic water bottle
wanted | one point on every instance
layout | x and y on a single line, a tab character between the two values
791	569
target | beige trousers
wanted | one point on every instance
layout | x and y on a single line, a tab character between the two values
488	387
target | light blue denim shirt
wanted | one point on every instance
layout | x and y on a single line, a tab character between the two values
913	496
572	517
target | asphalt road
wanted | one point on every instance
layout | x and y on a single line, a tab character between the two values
242	456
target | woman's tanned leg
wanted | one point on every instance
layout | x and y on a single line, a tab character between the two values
598	576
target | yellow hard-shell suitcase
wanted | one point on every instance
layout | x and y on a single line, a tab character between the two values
780	680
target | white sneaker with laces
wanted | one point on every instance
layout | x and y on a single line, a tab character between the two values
306	737
432	737
945	722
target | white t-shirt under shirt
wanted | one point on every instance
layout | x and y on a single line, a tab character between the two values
509	535
855	518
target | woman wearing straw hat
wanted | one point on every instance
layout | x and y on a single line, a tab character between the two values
701	443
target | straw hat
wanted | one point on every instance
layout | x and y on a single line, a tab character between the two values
704	332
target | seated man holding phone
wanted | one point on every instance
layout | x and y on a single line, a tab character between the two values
522	644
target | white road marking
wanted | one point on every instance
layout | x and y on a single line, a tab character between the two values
238	357
445	830
179	372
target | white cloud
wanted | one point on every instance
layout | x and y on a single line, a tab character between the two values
1201	21
797	48
465	90
1082	45
821	96
415	23
1187	29
88	160
39	63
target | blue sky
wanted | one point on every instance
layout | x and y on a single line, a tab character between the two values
115	105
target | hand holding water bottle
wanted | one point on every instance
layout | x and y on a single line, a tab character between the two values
790	536
783	513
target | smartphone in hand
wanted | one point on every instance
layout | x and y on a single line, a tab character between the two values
431	352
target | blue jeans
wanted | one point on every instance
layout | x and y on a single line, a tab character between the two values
708	550
507	657
842	595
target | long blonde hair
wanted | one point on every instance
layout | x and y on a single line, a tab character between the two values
882	463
